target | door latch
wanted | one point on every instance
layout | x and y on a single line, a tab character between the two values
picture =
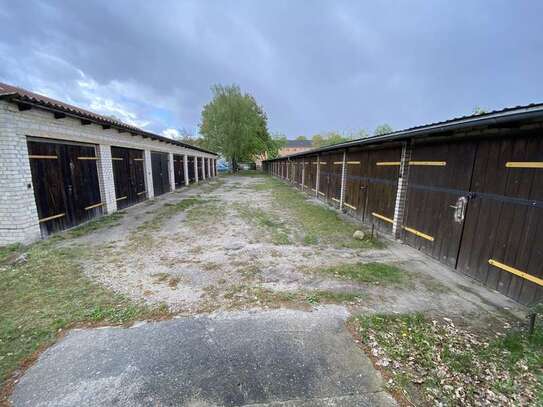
460	209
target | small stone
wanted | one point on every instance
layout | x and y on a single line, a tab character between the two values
359	235
233	246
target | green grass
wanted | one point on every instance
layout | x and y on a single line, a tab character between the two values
278	232
316	223
430	360
9	252
48	293
102	222
367	273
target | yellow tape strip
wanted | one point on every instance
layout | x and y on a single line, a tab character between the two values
338	162
121	198
349	206
420	234
387	163
142	192
44	157
429	163
322	193
117	159
138	159
314	162
515	271
94	206
323	162
382	217
87	158
313	189
524	164
336	200
60	215
353	162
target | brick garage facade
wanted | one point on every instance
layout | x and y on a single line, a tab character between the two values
18	212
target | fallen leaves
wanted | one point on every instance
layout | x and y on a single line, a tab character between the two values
448	365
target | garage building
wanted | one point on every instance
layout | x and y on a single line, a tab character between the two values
467	192
62	165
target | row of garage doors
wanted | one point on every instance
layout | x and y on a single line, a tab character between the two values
67	187
476	206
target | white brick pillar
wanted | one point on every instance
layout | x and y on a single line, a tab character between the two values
318	176
401	193
186	169
105	178
148	168
209	167
203	168
343	180
196	169
18	212
171	172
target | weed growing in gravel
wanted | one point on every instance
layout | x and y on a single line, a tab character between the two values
367	273
102	222
267	222
434	362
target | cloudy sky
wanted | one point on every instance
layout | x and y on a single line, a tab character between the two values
314	66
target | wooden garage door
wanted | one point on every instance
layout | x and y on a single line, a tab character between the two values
190	164
65	181
503	232
381	186
439	175
161	176
179	170
310	177
200	167
128	176
356	183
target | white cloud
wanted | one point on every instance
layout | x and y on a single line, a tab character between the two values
171	133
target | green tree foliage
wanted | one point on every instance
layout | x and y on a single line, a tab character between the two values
382	129
301	138
278	141
234	125
328	139
479	110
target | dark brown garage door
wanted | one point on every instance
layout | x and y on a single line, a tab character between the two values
179	170
190	164
439	180
503	233
65	181
128	176
161	176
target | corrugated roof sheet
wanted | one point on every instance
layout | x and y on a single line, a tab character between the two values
506	114
25	96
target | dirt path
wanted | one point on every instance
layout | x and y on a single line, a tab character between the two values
228	244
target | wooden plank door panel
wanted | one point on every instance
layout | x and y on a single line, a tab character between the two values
439	174
504	221
381	186
48	184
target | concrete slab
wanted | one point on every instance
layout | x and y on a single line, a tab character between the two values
252	358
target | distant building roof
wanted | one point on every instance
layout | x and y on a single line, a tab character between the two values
298	143
26	97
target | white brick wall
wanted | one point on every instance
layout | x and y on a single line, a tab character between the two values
171	172
18	212
105	176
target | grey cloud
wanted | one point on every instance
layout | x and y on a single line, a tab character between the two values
314	66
